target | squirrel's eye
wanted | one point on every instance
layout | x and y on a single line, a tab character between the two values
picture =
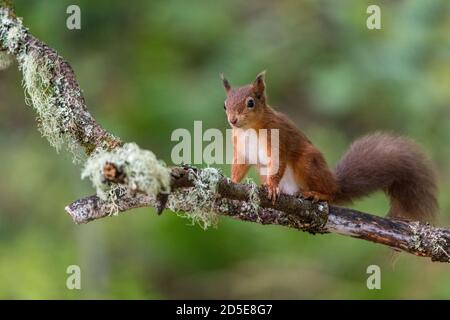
225	106
250	103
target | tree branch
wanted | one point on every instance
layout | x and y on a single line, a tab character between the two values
233	200
203	194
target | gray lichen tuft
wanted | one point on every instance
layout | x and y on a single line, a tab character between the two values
143	172
42	87
55	106
41	95
200	199
254	199
12	31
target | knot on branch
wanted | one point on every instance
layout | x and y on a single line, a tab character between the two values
127	169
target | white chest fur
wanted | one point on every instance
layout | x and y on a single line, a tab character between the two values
288	184
253	150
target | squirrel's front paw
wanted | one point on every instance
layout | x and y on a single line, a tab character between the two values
273	192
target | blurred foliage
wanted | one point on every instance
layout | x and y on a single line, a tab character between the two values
149	67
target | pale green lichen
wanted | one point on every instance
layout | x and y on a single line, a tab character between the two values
200	199
13	37
416	238
36	77
41	95
142	170
42	87
55	117
6	60
253	198
12	31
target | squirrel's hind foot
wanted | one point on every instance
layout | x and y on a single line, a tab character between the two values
315	196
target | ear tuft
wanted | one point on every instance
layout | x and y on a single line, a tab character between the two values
225	82
259	85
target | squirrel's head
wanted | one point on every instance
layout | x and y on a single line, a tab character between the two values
245	105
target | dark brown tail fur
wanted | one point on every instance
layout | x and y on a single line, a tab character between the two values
395	165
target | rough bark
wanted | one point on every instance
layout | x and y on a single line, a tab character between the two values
408	236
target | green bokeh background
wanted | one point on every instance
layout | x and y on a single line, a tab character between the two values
149	67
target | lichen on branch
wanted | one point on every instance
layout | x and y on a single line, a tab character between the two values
12	32
42	96
142	172
53	91
201	198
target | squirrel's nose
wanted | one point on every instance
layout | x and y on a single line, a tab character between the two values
233	121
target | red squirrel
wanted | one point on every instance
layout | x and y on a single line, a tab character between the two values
395	165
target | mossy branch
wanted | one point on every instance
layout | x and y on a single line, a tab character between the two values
419	239
128	177
52	90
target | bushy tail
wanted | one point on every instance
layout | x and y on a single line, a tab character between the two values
395	165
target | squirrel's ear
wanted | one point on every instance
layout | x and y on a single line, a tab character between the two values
226	84
259	85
